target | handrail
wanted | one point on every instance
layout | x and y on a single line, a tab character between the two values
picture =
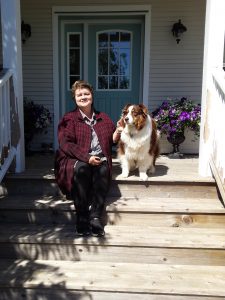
7	150
5	74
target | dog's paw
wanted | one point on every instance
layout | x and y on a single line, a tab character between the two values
143	177
122	176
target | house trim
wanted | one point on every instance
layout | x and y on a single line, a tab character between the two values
109	10
12	59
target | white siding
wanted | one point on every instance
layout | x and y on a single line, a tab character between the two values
175	69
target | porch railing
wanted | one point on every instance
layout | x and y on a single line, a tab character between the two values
217	112
7	103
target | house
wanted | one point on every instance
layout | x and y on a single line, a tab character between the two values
68	40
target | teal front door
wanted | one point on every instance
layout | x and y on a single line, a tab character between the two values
109	56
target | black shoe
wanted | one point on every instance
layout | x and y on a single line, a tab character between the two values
83	228
96	227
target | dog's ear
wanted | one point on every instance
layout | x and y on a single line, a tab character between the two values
126	107
144	109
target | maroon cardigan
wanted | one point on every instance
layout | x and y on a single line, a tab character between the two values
74	137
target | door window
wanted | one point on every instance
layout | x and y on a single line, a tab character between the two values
114	60
73	58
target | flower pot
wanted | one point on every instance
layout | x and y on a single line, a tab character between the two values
176	139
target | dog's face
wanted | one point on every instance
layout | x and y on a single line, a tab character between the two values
134	115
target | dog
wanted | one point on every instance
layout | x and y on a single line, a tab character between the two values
138	146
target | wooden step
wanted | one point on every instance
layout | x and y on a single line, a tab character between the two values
173	212
61	293
127	236
45	243
95	251
114	277
56	210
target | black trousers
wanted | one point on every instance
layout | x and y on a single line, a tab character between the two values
91	184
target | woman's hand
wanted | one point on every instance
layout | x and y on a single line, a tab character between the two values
117	133
94	160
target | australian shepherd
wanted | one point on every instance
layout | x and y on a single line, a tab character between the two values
139	142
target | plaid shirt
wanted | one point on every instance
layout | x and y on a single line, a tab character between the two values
74	137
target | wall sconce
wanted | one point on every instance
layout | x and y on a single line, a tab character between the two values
25	32
178	29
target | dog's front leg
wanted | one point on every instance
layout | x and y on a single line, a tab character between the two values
143	176
125	167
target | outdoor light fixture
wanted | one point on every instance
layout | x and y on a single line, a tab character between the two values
25	32
178	29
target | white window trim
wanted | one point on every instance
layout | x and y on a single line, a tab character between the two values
107	10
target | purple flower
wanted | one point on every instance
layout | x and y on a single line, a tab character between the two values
175	116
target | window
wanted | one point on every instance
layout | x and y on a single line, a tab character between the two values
74	58
114	60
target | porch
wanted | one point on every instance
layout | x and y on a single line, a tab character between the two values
165	239
168	169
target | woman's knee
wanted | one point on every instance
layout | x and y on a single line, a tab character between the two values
82	169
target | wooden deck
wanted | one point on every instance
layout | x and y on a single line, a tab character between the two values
167	169
165	239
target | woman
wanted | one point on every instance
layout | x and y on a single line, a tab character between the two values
83	162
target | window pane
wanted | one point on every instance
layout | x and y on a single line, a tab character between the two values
114	62
103	62
74	61
125	39
113	82
103	82
103	40
124	62
114	39
124	82
73	79
74	40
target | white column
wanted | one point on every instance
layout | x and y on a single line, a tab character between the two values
213	58
12	59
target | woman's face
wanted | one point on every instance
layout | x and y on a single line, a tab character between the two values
83	98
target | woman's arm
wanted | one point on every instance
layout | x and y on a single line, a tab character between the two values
74	142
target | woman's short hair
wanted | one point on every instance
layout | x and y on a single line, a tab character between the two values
81	84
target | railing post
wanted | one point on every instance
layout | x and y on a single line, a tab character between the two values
213	58
12	59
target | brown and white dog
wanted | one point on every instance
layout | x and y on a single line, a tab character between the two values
139	142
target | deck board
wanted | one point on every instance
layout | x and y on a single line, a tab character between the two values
129	236
116	277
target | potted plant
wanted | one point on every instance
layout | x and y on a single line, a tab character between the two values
36	120
173	117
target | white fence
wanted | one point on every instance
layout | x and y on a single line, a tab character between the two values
7	106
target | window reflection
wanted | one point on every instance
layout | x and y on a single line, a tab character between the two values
125	62
103	62
114	60
113	82
124	82
103	40
74	61
102	82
